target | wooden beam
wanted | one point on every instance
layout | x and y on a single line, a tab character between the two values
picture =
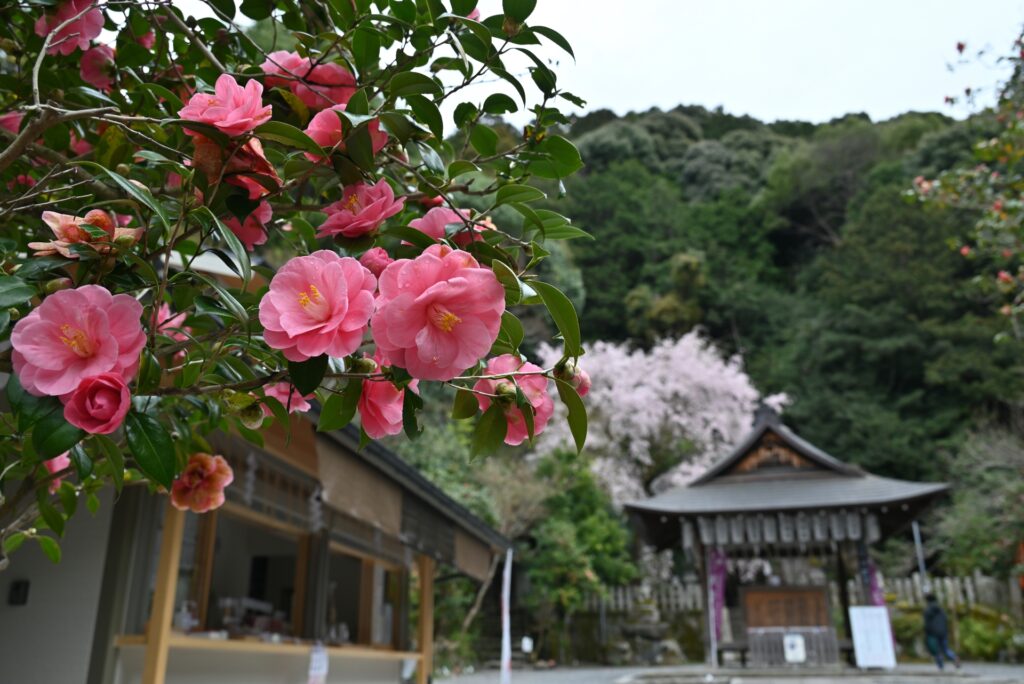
154	670
425	567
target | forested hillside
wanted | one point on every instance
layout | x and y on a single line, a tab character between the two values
801	247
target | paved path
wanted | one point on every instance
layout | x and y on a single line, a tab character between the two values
972	673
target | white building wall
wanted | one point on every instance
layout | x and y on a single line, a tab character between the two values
48	640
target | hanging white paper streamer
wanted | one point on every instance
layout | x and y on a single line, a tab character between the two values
506	636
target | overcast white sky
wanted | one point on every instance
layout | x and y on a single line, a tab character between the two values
787	59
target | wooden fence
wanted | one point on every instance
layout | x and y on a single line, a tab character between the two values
676	596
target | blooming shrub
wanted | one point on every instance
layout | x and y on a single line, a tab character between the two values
203	233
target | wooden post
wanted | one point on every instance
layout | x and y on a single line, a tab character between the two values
201	580
425	568
158	634
364	632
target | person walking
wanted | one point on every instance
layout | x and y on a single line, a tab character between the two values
936	632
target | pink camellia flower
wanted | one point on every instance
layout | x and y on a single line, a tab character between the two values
240	167
289	397
252	231
325	85
75	334
291	65
434	222
99	404
200	487
534	386
55	465
437	314
170	324
147	40
97	67
1005	277
361	210
376	259
80	146
474	15
380	404
68	230
317	304
430	202
325	129
21	179
578	378
232	109
11	121
77	34
965	250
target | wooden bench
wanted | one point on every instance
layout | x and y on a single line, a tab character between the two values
740	647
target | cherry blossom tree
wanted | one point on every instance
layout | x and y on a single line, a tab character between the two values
204	232
658	418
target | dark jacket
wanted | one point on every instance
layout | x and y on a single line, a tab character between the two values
935	621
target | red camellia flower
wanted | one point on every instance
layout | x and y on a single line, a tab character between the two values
97	67
534	386
361	210
77	34
99	404
437	314
232	109
200	487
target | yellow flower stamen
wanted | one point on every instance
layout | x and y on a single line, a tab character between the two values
76	340
444	320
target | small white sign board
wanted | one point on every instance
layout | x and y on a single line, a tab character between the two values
794	648
318	664
872	637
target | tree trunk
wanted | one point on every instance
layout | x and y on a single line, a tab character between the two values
480	594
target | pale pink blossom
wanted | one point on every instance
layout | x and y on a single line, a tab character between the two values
325	85
97	67
252	231
435	222
170	324
99	404
77	34
232	109
325	128
289	397
534	387
474	15
437	314
55	465
317	304
376	259
75	334
200	487
11	121
361	210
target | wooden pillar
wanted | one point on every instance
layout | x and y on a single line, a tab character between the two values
364	632
203	577
158	634
425	567
844	595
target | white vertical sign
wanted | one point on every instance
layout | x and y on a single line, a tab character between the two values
872	637
506	626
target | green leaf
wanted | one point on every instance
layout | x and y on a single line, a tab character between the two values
499	103
278	131
411	235
490	430
139	194
307	375
413	83
49	546
563	159
411	405
81	461
519	10
232	304
114	457
152	448
555	37
577	412
512	80
517	193
465	112
92	502
225	7
365	47
508	279
427	112
238	250
564	314
461	166
68	498
50	515
257	9
53	435
339	409
484	140
465	405
14	291
29	408
512	329
14	542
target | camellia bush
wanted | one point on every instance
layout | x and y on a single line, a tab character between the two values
205	229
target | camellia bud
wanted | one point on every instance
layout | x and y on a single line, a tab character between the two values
237	402
57	284
252	416
511	27
363	365
506	392
14	314
123	169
